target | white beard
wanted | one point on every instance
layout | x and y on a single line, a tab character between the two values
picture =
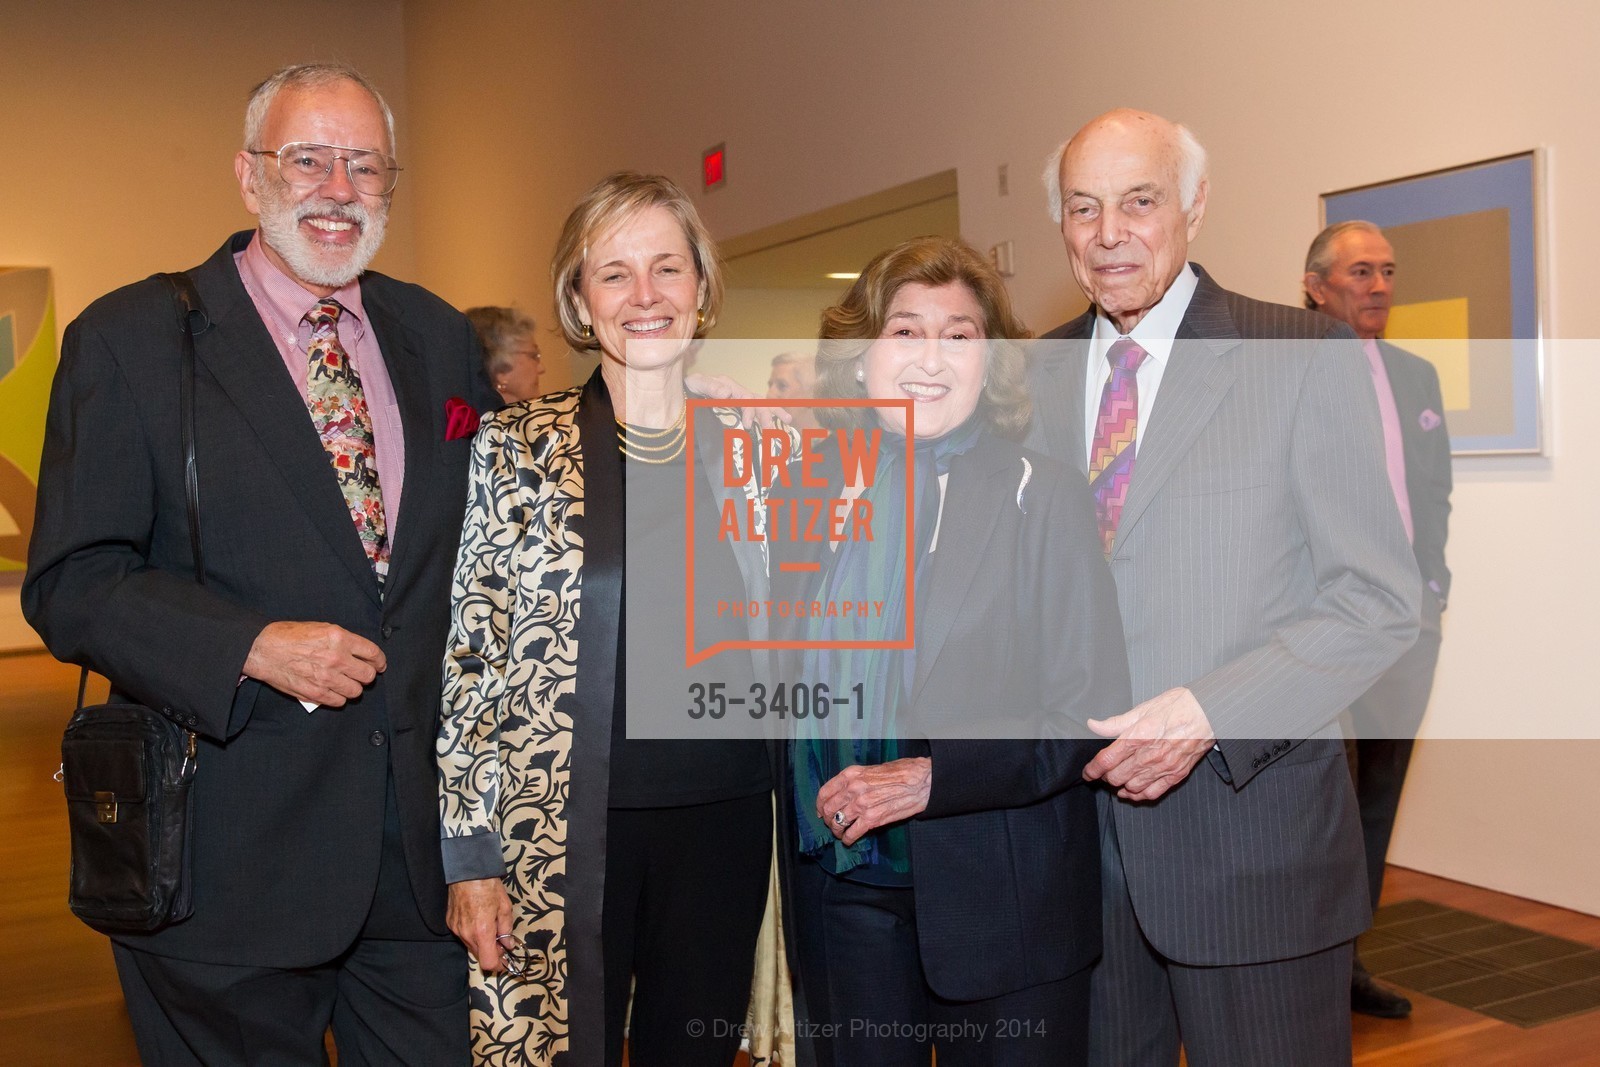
322	265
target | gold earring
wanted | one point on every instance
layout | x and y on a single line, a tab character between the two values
585	331
700	318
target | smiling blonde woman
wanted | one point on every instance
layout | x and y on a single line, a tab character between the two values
583	859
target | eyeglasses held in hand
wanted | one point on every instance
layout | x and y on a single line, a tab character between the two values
516	958
305	165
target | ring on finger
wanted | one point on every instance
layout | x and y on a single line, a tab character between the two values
838	818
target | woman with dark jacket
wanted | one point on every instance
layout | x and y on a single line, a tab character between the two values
940	848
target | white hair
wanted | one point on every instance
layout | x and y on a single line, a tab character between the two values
1191	171
307	76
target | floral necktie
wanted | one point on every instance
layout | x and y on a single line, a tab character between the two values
339	413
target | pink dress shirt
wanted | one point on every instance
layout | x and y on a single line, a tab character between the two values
282	303
1393	446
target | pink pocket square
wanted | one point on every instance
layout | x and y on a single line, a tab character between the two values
1429	420
460	419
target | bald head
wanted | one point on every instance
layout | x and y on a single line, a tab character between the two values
1129	191
1157	135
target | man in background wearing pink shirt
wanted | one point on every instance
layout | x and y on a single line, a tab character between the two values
1349	275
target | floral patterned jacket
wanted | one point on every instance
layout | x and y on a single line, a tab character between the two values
528	685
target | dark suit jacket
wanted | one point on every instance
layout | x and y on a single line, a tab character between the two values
1426	442
289	806
1259	561
1016	625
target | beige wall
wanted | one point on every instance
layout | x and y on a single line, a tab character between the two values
775	312
510	115
822	102
119	124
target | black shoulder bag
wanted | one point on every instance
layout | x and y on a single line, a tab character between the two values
127	769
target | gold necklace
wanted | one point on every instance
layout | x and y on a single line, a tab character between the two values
646	446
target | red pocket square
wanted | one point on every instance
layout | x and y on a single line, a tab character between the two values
460	419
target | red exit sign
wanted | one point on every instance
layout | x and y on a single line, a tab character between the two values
714	166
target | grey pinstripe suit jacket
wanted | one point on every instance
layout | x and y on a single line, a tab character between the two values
1260	561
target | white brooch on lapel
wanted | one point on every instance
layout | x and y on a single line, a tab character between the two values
1022	486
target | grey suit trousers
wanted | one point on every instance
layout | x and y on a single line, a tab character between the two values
1250	1015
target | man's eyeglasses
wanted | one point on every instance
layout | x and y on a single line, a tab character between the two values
305	166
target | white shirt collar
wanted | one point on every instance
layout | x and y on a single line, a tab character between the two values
1159	325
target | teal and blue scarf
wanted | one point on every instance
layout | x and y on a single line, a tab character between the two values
869	570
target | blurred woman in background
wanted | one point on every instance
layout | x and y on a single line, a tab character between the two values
511	359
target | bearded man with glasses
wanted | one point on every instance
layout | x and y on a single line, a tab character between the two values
308	663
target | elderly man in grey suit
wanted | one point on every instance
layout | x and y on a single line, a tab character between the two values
1350	275
1236	457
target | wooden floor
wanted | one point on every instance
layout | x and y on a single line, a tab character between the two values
59	1002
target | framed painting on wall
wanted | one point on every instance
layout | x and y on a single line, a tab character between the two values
27	367
1468	293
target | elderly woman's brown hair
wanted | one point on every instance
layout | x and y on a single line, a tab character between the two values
617	198
849	327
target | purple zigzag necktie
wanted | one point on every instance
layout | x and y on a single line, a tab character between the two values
1115	429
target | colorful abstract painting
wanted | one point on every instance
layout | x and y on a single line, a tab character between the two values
1467	291
27	365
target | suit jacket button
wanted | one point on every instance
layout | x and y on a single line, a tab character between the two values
377	738
388	631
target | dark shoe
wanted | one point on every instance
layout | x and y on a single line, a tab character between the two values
1369	998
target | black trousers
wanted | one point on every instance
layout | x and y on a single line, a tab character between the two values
398	995
870	1004
685	891
1385	721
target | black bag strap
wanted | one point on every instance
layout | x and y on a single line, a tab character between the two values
191	315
